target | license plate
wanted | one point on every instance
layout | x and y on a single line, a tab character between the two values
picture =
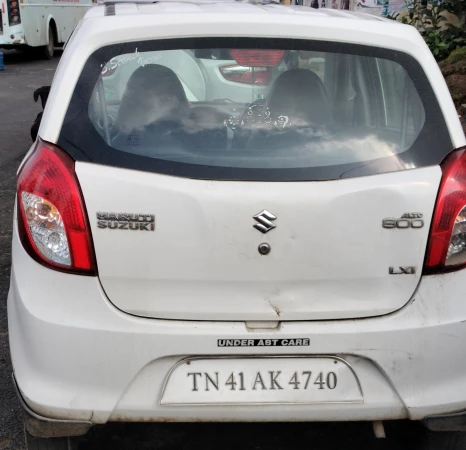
268	380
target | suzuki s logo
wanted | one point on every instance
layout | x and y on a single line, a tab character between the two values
265	221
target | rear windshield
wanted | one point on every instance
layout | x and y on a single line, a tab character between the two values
254	109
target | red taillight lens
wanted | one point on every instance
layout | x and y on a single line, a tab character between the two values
259	57
446	249
51	214
13	12
260	76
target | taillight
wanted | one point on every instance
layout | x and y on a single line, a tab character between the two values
14	17
260	76
446	250
52	220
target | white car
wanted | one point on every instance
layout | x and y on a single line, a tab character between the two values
241	212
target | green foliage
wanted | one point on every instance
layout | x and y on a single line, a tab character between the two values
458	8
441	35
457	55
436	43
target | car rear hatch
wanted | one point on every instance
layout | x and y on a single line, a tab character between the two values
311	200
330	256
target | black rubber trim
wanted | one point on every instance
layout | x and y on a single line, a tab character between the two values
446	422
43	427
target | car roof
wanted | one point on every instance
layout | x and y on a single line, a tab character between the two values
125	7
117	21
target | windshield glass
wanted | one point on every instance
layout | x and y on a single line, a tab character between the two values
250	108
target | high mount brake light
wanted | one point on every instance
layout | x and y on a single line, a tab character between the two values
257	58
446	250
52	220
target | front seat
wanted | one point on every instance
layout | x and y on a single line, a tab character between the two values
298	104
299	96
152	108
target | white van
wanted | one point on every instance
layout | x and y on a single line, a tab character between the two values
39	23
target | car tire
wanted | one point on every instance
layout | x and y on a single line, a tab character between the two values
48	50
444	440
63	443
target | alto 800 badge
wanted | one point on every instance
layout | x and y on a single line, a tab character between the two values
126	221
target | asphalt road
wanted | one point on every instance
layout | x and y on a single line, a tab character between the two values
21	77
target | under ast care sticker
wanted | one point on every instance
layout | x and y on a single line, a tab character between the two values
298	342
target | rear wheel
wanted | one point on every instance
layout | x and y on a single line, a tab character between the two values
444	440
406	434
47	50
66	443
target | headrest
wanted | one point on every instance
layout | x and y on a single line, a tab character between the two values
300	95
153	94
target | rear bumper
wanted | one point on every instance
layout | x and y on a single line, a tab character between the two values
76	357
10	38
44	427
